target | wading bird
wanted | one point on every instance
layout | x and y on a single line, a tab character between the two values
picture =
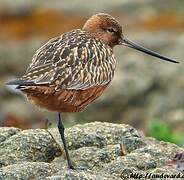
72	70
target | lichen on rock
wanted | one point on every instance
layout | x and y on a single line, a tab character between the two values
104	150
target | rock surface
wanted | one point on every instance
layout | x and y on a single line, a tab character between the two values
103	150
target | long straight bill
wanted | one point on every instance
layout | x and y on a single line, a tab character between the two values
138	47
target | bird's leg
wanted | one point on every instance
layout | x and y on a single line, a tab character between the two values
61	131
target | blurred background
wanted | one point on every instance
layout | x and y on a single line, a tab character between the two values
145	93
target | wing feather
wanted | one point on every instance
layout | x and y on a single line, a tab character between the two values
74	60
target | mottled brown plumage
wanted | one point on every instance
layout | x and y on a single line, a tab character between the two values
69	65
78	64
72	70
63	100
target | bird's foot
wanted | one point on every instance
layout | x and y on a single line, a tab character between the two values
78	168
81	168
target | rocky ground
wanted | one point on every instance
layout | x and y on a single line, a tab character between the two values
103	150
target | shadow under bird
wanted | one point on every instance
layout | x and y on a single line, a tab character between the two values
72	70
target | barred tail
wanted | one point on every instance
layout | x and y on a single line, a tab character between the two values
21	83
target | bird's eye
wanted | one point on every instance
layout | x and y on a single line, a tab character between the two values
110	30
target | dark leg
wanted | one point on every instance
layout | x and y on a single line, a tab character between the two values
61	131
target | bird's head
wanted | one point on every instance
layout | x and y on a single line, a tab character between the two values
106	28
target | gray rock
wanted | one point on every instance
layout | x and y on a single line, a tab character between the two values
28	145
102	150
5	133
27	170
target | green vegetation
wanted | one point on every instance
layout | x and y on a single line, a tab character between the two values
162	131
